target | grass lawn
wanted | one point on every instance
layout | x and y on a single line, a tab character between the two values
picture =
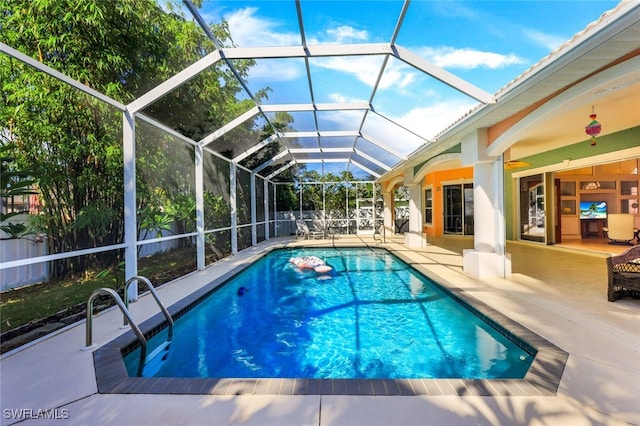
23	305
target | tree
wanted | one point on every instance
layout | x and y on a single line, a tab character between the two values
72	141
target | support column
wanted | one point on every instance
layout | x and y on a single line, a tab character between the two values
199	186
130	219
414	237
387	201
488	258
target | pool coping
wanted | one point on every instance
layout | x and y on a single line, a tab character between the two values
542	378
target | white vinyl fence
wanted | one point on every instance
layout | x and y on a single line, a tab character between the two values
22	275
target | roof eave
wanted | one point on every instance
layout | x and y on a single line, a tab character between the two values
595	34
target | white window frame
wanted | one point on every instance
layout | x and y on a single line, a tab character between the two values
424	203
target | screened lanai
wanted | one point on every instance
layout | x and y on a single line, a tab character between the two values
184	141
211	180
209	141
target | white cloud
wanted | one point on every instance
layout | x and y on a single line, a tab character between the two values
425	121
346	34
430	121
277	70
249	30
346	117
338	97
449	57
366	69
548	41
397	75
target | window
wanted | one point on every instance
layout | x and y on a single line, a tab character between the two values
428	205
17	204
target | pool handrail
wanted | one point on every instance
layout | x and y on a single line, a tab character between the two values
154	293
126	313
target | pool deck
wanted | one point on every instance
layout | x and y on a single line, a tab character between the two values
559	294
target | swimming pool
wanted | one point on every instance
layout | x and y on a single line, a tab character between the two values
542	378
371	317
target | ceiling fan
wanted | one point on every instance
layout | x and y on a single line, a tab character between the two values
514	164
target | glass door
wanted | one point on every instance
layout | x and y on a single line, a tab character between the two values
458	209
532	208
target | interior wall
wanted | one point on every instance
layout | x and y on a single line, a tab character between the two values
607	146
614	183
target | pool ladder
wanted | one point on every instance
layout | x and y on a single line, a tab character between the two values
128	320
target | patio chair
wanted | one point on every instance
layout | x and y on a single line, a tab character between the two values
620	229
624	274
304	231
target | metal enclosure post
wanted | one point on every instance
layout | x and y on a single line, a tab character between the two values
265	206
357	212
130	225
373	207
346	206
233	207
324	208
254	229
199	187
300	199
275	209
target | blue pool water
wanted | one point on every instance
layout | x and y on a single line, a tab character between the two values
373	316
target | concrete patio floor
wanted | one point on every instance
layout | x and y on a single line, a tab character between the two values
560	294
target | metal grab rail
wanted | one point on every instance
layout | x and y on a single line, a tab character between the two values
155	296
126	313
383	234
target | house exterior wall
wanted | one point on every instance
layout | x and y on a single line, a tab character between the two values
435	180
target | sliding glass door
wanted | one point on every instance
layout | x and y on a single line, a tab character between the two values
458	209
532	208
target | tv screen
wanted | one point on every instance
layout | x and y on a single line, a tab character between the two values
593	210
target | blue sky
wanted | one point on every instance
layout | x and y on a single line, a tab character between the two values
487	43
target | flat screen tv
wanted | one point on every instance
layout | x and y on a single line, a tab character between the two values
593	209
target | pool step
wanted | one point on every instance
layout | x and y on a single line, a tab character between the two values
156	359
